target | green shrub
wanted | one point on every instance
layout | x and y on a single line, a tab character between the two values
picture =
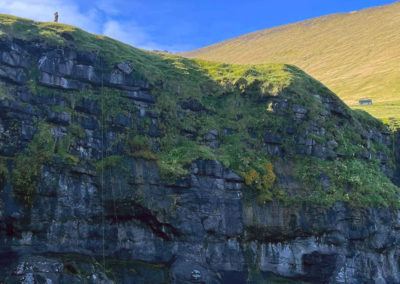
27	171
357	182
140	147
262	178
76	130
173	161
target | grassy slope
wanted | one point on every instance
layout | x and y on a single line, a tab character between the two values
176	72
357	54
236	97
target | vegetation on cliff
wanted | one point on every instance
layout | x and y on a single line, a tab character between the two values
252	118
355	54
27	171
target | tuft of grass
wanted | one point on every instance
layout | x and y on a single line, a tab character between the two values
113	161
76	130
140	147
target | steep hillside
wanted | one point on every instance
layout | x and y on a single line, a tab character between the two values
357	54
118	164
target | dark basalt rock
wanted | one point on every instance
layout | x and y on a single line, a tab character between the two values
126	67
14	74
193	105
88	106
51	80
140	96
272	138
57	62
122	120
319	267
207	227
62	118
154	131
89	123
87	73
86	58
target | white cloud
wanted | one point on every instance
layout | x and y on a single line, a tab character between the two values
130	33
104	17
109	7
43	10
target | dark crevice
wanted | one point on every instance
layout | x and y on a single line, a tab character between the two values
128	211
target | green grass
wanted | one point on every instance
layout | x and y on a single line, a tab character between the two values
354	54
27	171
359	183
174	161
388	112
109	162
140	147
235	97
40	151
155	67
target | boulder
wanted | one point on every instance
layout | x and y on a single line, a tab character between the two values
126	67
51	80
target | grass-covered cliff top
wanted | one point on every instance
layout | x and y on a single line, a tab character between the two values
355	54
266	122
154	66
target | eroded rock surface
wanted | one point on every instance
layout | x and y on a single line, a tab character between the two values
127	225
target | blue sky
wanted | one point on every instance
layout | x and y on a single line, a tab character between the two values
179	25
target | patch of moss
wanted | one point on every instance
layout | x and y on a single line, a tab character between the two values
76	130
27	170
357	182
140	147
113	161
111	102
4	93
173	161
62	149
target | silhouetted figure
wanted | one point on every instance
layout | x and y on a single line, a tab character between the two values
56	17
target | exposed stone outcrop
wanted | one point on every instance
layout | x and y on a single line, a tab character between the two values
126	224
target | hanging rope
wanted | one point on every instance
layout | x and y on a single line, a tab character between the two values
102	158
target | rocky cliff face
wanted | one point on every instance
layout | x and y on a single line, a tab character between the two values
76	207
397	157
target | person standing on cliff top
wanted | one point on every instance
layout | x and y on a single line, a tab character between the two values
56	17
